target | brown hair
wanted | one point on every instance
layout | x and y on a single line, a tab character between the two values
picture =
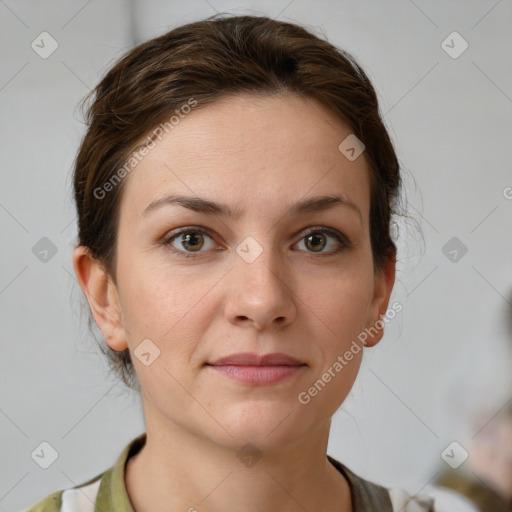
205	61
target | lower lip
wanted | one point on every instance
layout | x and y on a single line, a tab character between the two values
258	375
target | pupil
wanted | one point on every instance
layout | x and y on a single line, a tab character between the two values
315	245
191	237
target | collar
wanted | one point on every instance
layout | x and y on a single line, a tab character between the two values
112	494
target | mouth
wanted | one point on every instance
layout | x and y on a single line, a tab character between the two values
255	370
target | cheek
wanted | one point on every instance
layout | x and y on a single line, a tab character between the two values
173	311
339	303
337	313
157	299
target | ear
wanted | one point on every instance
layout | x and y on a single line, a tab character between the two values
383	285
101	293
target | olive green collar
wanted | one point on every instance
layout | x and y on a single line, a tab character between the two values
112	494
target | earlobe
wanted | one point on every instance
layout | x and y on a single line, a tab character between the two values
101	294
383	286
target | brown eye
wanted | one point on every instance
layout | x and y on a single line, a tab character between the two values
316	242
320	238
192	240
188	241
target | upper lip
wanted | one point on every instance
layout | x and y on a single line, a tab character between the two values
252	359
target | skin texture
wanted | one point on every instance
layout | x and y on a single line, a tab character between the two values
259	155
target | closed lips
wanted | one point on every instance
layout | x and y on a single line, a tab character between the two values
252	369
252	359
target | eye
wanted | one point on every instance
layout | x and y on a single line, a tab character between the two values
189	240
316	239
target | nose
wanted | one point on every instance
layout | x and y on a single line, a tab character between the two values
260	292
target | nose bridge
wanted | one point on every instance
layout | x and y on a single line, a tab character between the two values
259	291
259	261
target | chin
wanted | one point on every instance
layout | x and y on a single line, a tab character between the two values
268	425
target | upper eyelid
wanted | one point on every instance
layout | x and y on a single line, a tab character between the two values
304	232
187	229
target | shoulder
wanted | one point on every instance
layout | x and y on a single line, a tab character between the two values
77	499
439	499
52	503
370	496
105	491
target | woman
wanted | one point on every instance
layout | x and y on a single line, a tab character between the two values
234	191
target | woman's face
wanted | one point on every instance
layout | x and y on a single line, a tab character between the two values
203	283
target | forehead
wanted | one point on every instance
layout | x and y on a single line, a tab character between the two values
244	150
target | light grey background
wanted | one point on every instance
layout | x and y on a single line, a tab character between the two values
445	360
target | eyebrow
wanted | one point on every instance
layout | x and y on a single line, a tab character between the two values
198	204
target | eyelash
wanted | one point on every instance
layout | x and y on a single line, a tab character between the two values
341	239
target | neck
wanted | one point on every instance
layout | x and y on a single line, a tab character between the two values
177	470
